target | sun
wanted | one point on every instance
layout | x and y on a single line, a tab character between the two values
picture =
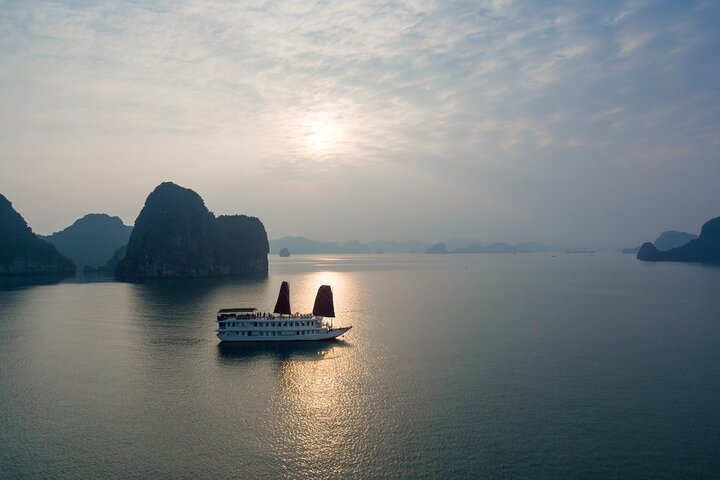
322	136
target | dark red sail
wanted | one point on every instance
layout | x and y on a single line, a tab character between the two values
283	302
324	306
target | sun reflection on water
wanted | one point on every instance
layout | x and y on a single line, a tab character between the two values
320	415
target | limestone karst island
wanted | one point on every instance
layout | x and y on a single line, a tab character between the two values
175	236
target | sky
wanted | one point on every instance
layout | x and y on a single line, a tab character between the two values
499	120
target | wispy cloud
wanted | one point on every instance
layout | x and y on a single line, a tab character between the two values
462	92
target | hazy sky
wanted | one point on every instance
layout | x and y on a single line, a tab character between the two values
592	122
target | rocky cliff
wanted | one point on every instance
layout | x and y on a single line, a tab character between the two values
176	236
705	249
22	252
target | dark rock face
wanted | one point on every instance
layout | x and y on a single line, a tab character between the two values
111	264
673	239
22	252
648	252
91	240
706	248
243	244
176	236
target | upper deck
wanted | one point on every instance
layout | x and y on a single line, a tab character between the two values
253	313
237	313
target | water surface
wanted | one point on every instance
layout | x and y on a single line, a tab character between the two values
457	366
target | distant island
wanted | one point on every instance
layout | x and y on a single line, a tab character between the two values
673	239
497	247
92	240
284	253
303	245
437	248
666	241
24	253
176	236
703	249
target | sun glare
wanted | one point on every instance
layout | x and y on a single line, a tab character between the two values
322	136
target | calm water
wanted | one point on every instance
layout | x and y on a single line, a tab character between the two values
478	366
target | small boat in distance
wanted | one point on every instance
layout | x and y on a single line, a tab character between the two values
250	325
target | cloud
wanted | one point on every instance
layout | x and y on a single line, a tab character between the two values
473	93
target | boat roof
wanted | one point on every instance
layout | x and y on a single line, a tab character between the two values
239	310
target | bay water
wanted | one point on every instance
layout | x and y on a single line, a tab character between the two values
537	366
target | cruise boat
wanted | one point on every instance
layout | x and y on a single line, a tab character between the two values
252	325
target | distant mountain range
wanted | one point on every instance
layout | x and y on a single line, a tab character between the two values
497	247
704	249
91	240
673	239
303	245
24	253
666	241
175	235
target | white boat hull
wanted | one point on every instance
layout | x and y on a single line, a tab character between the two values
329	334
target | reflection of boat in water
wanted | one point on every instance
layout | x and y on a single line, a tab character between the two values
281	351
251	325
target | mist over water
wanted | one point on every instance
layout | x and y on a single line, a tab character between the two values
461	366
